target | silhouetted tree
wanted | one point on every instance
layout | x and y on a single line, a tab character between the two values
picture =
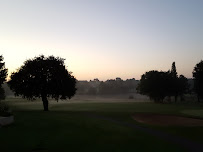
174	82
43	77
198	79
173	70
183	86
155	85
3	75
178	85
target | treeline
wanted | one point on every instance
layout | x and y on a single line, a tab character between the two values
48	77
109	87
160	84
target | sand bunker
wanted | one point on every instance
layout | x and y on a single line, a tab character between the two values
166	120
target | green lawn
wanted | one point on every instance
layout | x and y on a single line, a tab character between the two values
66	127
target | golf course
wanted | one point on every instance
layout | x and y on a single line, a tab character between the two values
101	76
99	125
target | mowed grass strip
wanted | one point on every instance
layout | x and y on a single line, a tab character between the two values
66	128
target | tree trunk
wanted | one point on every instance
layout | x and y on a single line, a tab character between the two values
45	103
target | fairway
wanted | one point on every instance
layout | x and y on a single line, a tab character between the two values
92	126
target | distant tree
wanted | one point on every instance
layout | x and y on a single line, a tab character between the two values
103	88
43	77
190	85
155	85
82	87
3	75
110	87
198	79
183	86
131	85
173	70
113	86
178	85
92	91
174	82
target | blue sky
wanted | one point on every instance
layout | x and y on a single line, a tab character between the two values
104	38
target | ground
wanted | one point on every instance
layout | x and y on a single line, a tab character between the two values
98	125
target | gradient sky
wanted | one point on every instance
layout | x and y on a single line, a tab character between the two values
104	38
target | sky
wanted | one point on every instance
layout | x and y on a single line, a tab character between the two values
104	39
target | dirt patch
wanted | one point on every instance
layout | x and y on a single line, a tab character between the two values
166	120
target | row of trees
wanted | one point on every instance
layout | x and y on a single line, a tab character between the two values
44	77
159	84
109	87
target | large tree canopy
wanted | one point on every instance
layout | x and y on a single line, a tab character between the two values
43	77
154	84
3	75
198	77
157	85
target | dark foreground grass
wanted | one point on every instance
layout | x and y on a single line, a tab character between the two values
66	127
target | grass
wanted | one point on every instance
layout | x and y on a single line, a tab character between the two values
197	113
66	128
